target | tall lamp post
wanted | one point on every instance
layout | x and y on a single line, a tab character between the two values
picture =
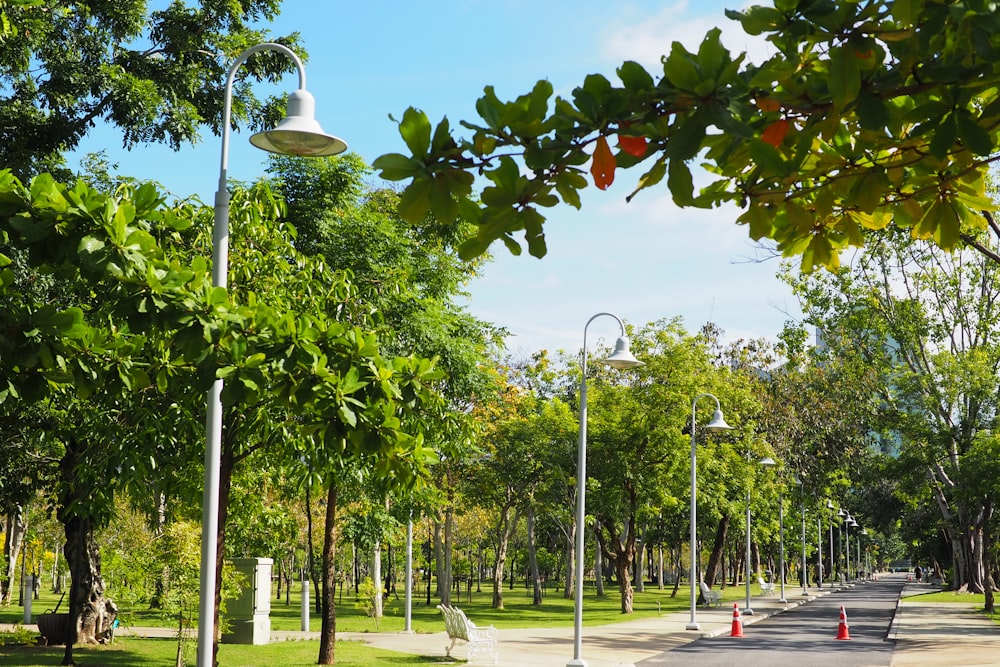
842	513
717	424
781	547
833	559
848	524
621	359
748	610
297	134
857	561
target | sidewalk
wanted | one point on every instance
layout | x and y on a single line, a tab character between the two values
926	635
614	645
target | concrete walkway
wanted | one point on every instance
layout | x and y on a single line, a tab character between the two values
926	635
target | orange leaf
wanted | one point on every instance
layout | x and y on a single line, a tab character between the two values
632	145
603	166
775	133
767	104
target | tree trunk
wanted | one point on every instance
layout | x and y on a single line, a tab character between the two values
987	561
13	540
328	630
443	587
570	561
92	614
598	564
621	551
640	565
536	593
377	580
715	558
507	526
659	567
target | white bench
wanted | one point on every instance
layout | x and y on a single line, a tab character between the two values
765	587
712	598
458	626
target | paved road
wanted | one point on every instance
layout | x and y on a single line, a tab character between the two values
806	635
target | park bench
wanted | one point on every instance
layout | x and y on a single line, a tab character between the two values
766	588
458	626
712	598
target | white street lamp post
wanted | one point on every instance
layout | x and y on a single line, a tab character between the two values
297	134
820	570
850	523
717	424
621	358
748	610
833	559
781	547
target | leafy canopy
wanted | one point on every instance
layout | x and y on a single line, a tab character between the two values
869	113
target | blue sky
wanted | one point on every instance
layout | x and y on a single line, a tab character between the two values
645	260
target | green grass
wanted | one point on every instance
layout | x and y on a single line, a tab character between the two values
555	611
127	652
518	612
948	596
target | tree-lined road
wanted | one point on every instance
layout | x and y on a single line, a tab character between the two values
805	635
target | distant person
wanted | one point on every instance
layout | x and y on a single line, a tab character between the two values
918	573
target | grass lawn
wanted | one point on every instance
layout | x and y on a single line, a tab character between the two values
518	612
555	611
128	652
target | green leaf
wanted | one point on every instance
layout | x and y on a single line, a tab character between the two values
680	183
635	77
945	136
845	77
680	69
414	203
973	135
872	112
686	139
397	167
415	129
767	157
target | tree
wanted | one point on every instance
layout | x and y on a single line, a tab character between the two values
157	75
924	321
869	114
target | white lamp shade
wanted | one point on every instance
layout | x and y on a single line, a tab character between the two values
299	133
718	423
622	357
767	461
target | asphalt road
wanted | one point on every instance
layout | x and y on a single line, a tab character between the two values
805	636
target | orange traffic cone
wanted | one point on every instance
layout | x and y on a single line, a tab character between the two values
737	622
842	632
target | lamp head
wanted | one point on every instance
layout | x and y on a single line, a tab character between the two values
829	505
718	423
622	357
767	461
841	512
299	133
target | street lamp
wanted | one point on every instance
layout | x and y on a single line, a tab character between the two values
621	359
842	513
748	610
833	559
781	547
717	424
297	134
850	523
857	561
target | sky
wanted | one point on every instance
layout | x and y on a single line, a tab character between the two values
644	261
